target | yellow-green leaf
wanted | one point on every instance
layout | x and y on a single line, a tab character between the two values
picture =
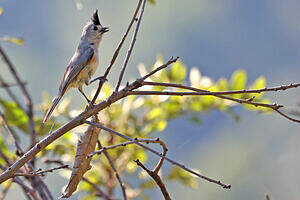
152	2
18	41
1	10
177	72
238	80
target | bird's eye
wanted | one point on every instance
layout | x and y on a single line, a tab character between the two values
95	28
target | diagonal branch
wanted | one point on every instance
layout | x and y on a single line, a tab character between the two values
278	88
160	155
40	172
157	180
131	46
117	51
241	101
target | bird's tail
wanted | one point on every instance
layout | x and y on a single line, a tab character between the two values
54	104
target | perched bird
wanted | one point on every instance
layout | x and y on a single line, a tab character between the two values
84	62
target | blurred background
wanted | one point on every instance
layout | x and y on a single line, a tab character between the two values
258	154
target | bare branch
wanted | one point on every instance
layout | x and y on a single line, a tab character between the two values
11	94
200	92
157	180
11	84
131	46
160	155
241	101
278	88
40	172
117	51
19	149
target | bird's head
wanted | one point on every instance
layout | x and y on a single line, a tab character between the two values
93	30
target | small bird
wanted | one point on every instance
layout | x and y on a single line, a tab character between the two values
84	62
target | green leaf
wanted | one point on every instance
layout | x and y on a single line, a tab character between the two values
259	83
155	112
177	72
14	115
238	80
14	40
161	125
183	176
152	2
149	184
222	84
1	10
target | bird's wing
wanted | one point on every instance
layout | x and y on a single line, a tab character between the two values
76	65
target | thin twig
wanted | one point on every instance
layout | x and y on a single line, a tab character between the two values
286	116
122	185
241	101
160	155
136	140
131	46
278	88
140	92
157	180
27	190
117	51
41	172
28	100
19	149
11	84
11	94
274	106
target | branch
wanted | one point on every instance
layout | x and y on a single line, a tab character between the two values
19	149
117	51
278	88
11	94
241	101
274	106
11	84
40	172
28	100
157	179
131	46
115	171
160	155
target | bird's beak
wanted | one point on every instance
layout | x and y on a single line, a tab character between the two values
104	29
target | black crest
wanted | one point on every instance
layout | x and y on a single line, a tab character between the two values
95	18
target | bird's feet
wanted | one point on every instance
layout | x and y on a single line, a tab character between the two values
100	78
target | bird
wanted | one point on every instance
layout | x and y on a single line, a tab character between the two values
84	62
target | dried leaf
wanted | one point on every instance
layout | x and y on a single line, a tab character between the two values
85	146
